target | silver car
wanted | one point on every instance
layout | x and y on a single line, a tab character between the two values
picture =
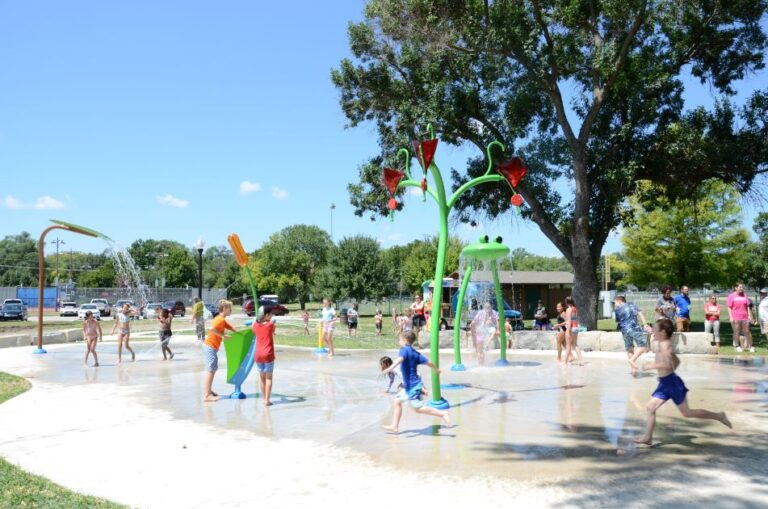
84	308
150	310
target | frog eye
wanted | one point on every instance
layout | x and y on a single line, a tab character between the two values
499	240
484	239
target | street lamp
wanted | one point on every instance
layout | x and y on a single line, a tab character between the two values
200	245
58	241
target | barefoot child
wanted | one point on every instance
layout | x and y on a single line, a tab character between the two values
412	386
123	322
305	319
628	319
328	319
670	385
390	379
92	334
211	347
378	319
264	357
164	318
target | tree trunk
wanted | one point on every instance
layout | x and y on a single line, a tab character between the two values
585	294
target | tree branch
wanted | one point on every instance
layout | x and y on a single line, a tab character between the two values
599	93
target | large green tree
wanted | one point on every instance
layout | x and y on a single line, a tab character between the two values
589	93
523	260
356	272
18	260
419	266
756	270
694	241
288	262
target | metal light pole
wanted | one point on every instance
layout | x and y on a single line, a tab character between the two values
200	245
333	206
57	241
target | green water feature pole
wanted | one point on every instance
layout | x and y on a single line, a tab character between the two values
457	364
500	310
444	205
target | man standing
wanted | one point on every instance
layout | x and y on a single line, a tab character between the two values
198	317
762	311
683	310
628	319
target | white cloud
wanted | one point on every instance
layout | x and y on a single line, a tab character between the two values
42	203
46	202
280	194
247	187
172	201
13	203
415	191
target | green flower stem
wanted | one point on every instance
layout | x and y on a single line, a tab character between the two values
459	311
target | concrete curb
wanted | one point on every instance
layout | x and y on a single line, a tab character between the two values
52	338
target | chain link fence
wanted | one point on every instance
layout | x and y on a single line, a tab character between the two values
83	295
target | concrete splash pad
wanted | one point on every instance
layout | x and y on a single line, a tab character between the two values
560	435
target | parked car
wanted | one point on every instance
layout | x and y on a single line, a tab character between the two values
68	308
13	301
277	309
149	311
103	306
175	307
13	311
93	308
212	309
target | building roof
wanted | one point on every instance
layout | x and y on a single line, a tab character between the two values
527	277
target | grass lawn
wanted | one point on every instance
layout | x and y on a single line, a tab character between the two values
19	489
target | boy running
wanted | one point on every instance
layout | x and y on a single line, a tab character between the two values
628	319
670	385
412	386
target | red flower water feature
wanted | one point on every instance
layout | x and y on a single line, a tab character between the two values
513	170
392	179
516	200
425	152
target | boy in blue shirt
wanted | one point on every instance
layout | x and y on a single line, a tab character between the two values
628	319
683	310
412	386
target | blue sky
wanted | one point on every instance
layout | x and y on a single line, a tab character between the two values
162	119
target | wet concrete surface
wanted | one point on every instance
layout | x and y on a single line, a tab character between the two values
534	420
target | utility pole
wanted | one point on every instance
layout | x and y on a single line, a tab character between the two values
57	241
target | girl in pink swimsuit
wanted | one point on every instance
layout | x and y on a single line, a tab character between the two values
92	335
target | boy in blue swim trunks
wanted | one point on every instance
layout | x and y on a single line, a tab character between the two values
412	386
670	385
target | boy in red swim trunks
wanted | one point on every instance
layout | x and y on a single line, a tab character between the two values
670	385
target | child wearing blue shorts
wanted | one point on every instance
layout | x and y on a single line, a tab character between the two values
670	385
412	390
264	355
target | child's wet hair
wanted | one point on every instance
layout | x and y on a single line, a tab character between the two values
409	336
385	362
88	314
665	325
224	304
